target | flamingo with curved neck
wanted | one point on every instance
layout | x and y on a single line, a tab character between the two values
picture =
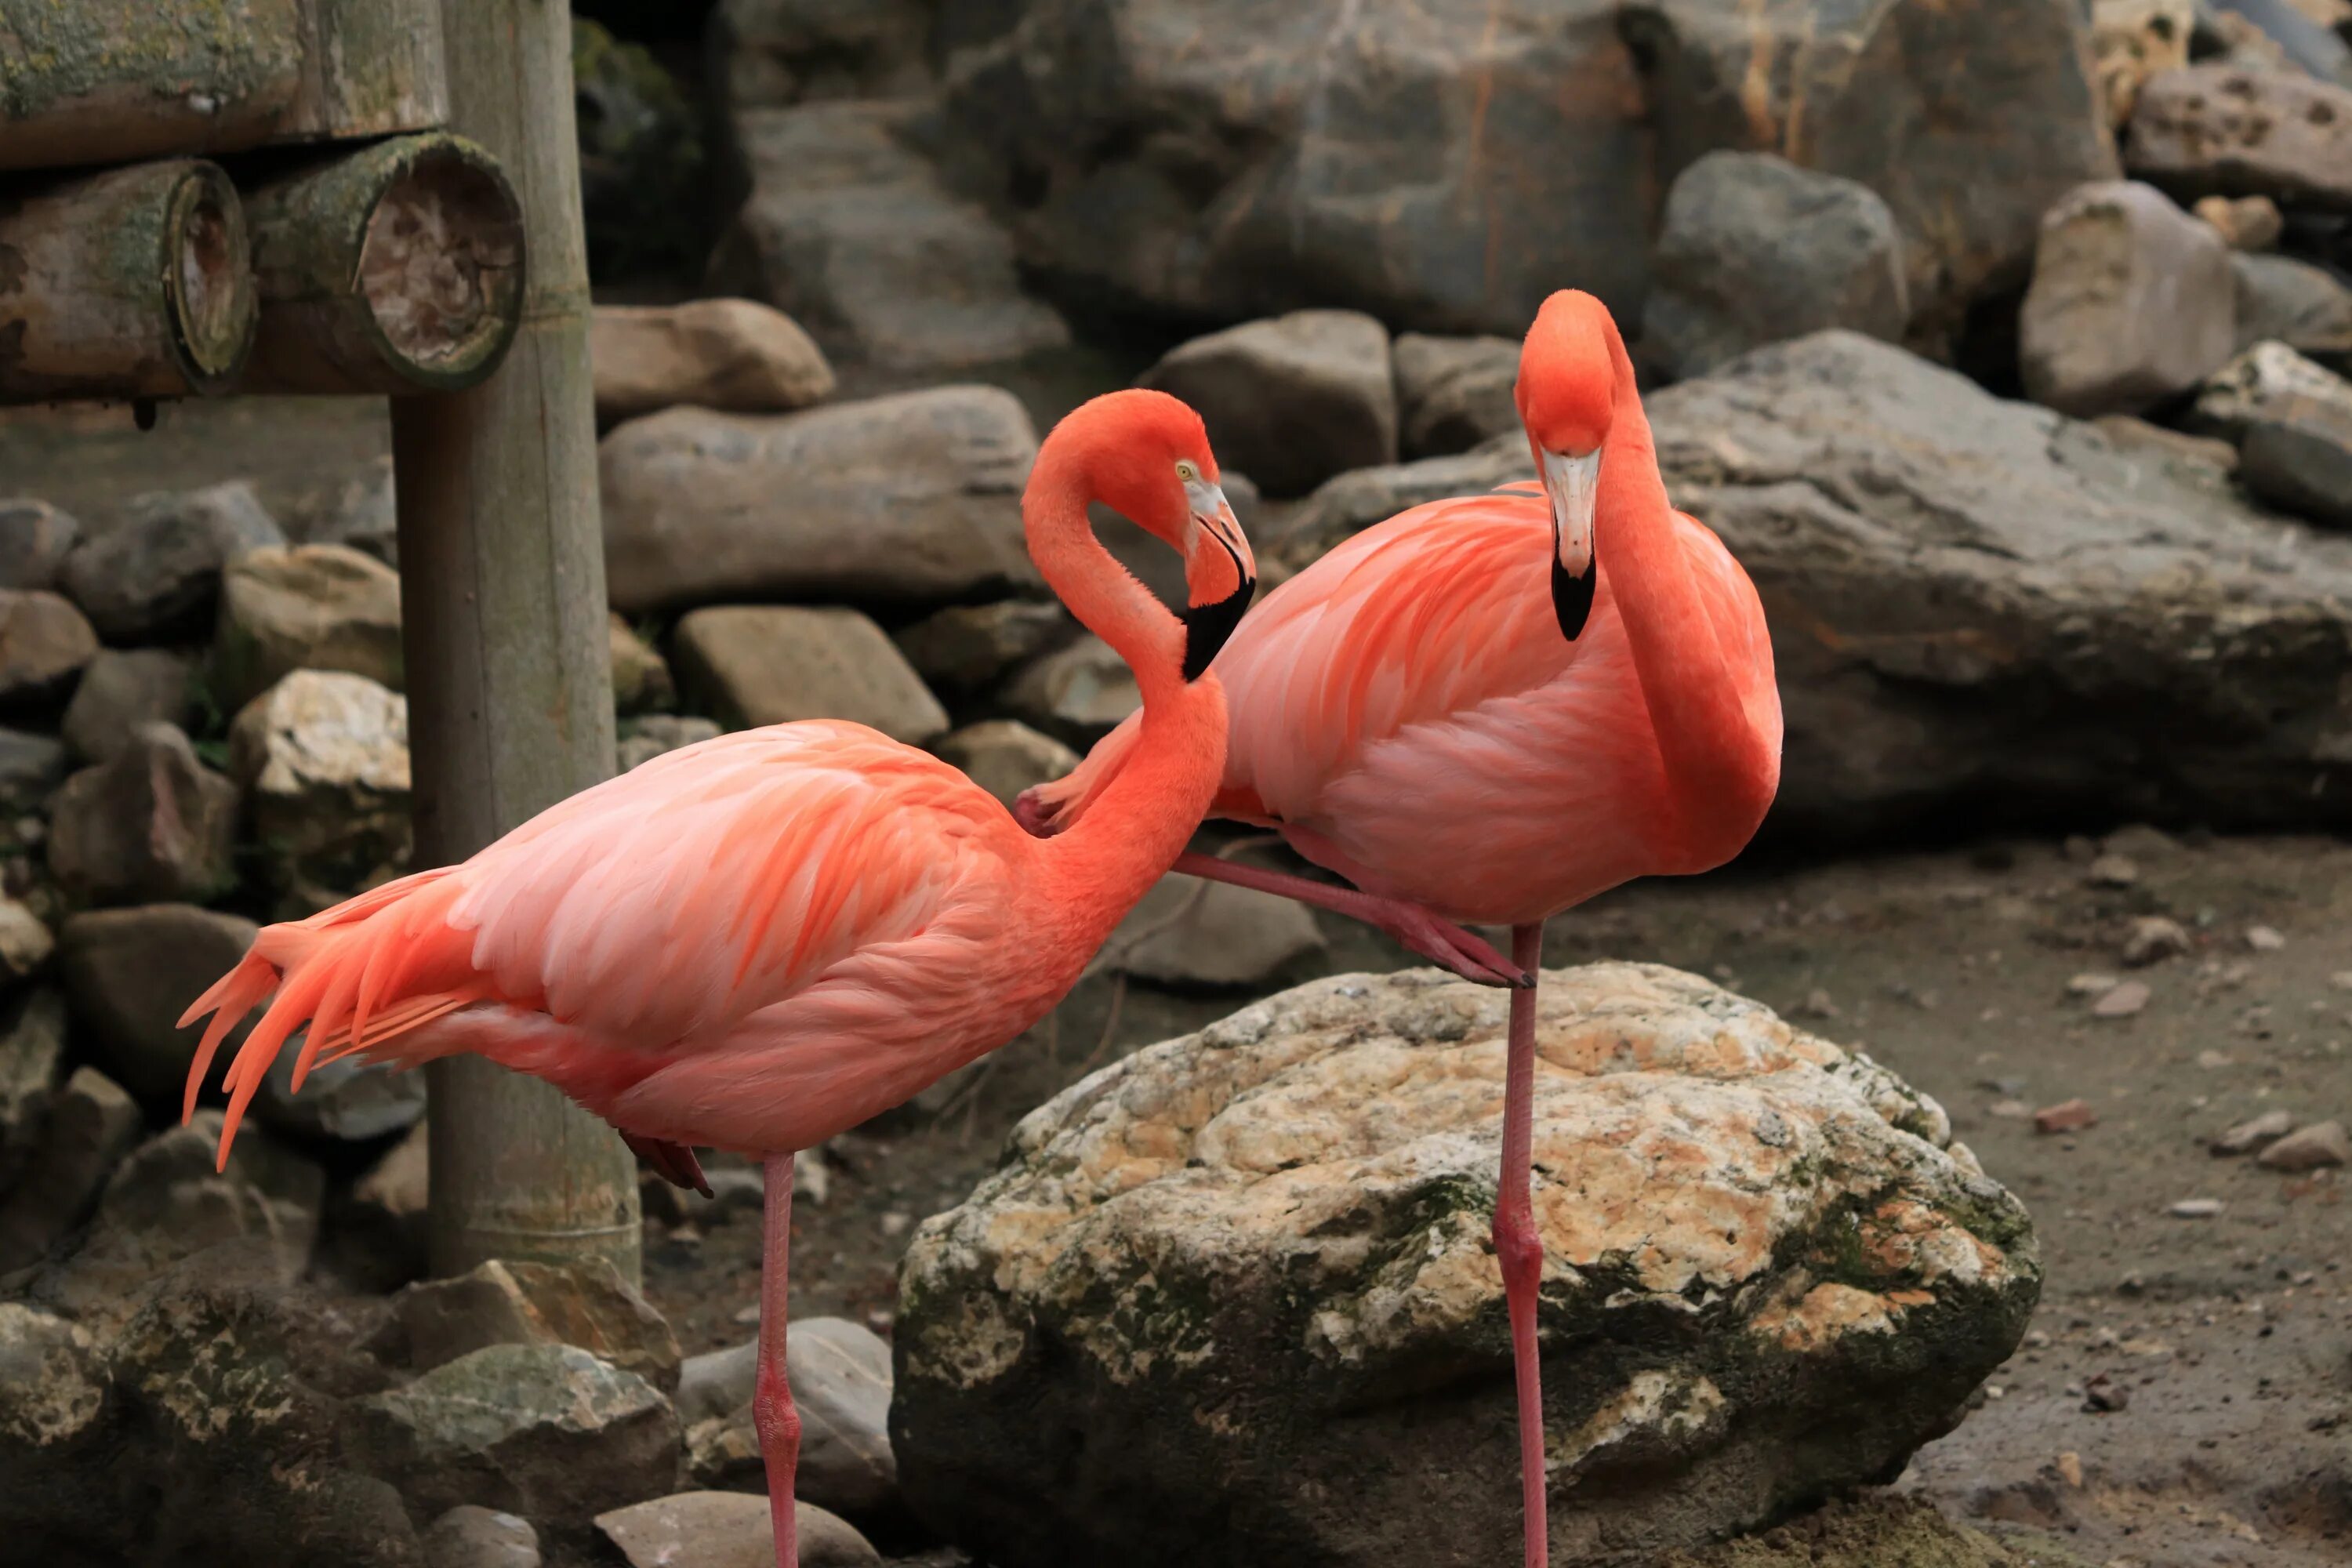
1489	709
763	940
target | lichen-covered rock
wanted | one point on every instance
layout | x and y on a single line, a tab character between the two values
586	1304
2264	379
154	573
323	758
129	973
45	644
315	606
546	1431
151	823
1292	400
122	689
1235	1296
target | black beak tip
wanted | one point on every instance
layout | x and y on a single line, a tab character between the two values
1207	626
1572	596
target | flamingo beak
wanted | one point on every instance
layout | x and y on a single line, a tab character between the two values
1220	570
1574	486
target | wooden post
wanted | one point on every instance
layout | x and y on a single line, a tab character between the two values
510	700
395	269
134	283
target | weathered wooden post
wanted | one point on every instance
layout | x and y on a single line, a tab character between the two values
511	702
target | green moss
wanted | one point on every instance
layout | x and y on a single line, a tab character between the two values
73	48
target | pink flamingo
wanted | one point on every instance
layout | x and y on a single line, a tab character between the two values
757	941
1465	712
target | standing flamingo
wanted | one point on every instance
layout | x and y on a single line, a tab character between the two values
757	941
1490	709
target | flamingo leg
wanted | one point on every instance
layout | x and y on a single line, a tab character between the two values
1519	1247
1443	943
772	1412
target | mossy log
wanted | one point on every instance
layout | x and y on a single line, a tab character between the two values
395	268
134	283
104	81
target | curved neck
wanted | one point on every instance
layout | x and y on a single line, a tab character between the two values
1103	595
1694	687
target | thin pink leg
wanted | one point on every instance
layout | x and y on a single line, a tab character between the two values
1519	1247
1440	941
771	1402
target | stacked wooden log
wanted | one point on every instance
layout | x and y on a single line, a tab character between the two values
203	197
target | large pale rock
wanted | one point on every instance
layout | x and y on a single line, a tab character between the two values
2132	302
760	665
1445	164
2220	129
45	644
1453	393
31	766
850	227
1004	756
1077	694
498	1303
2260	383
154	574
314	606
2293	302
966	648
1234	1295
152	822
1756	250
90	1125
1293	400
35	538
913	497
129	973
323	758
1192	933
729	1530
545	1431
735	355
124	688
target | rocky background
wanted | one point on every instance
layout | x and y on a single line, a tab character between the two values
2005	342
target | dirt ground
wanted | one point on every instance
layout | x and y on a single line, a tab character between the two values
2229	1339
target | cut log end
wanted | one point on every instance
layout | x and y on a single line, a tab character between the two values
209	278
441	267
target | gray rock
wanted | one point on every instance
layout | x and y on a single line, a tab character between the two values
1077	694
322	757
840	1374
641	680
778	52
2298	457
2132	302
363	513
738	356
315	607
1353	503
967	649
1214	159
546	1431
729	1530
31	767
32	1060
1453	393
2222	130
1292	400
911	498
348	1101
470	1537
25	942
90	1125
122	689
720	1383
2293	302
751	665
586	1305
1187	932
1754	249
2320	1145
155	573
151	824
643	740
2256	384
850	228
35	538
52	1386
129	973
1004	756
1285	1219
44	645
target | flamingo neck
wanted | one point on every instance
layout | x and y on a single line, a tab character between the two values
1717	757
1096	870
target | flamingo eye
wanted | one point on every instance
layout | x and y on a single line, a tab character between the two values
1187	470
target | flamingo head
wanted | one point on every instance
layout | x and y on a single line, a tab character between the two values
1566	395
1160	475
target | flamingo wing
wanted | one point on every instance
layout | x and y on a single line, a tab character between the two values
661	907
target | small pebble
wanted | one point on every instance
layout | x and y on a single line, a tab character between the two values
2312	1148
2153	938
2128	998
896	1222
1818	1005
2210	1060
2009	1110
750	1314
2264	938
2196	1208
2104	1396
2252	1134
2070	1468
2068	1116
2092	985
2113	871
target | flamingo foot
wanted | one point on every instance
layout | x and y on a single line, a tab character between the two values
1519	1247
673	1162
773	1414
